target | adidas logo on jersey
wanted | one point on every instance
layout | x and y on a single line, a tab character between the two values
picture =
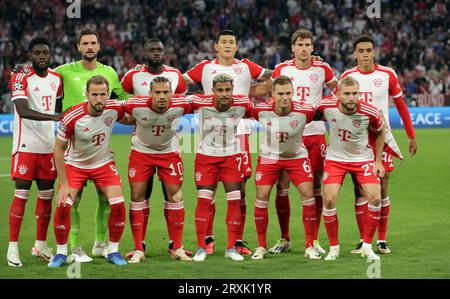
144	83
36	89
144	118
333	120
86	129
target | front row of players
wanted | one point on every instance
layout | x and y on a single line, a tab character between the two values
82	153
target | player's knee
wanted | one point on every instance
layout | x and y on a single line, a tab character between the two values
374	198
177	197
282	185
23	184
306	194
329	202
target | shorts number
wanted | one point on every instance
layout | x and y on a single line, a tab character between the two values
113	168
387	158
323	150
179	168
245	158
239	160
366	168
306	166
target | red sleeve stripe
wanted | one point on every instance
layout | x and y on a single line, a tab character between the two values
369	112
369	108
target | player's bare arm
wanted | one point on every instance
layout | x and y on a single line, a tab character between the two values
64	189
266	76
128	120
25	111
378	168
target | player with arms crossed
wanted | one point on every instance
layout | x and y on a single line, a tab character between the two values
219	158
378	83
308	75
82	153
242	72
36	96
282	149
137	82
349	151
154	146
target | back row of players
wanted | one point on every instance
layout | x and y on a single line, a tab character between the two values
294	149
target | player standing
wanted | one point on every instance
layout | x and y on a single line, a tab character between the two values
378	83
82	153
308	78
219	158
282	149
349	151
242	72
155	146
137	81
75	76
36	96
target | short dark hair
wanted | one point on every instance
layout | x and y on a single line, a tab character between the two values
301	33
225	32
38	41
363	39
87	31
281	80
97	80
160	79
152	40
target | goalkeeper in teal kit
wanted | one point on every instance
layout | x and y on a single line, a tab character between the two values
75	75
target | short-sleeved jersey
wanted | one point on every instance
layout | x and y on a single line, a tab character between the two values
75	77
41	93
349	134
137	82
308	86
242	72
156	133
376	86
283	134
88	135
218	129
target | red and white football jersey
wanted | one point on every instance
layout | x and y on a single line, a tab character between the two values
137	82
349	134
308	86
376	86
156	133
88	135
33	136
217	130
283	134
242	72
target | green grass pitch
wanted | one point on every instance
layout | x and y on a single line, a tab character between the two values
418	232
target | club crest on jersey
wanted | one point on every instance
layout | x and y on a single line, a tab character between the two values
62	127
314	78
53	85
132	172
108	121
198	176
356	123
23	169
18	85
171	117
258	176
294	123
235	116
238	70
377	82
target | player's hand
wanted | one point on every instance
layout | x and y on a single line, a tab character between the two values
412	147
378	169
57	117
316	58
22	68
63	195
138	67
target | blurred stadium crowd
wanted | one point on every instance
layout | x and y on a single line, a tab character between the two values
411	36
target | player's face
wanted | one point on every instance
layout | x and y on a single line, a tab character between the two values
302	48
40	57
97	95
89	47
223	92
226	47
154	53
161	94
283	95
365	54
349	96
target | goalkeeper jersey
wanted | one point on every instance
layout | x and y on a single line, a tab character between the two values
75	76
